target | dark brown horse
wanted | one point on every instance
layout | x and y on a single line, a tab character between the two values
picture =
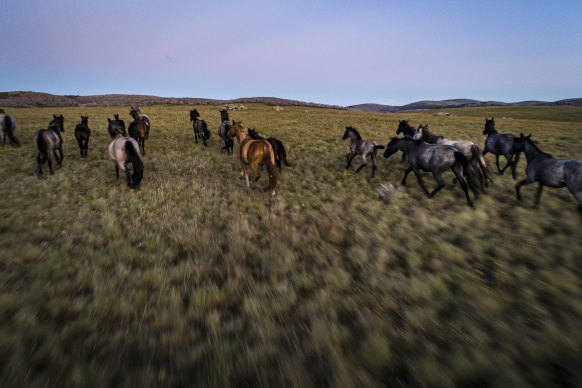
82	134
251	153
139	128
47	142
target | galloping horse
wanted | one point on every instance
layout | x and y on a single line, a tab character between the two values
548	171
500	144
251	153
437	159
124	150
82	134
7	127
407	131
278	148
223	129
470	150
200	127
139	128
47	142
361	147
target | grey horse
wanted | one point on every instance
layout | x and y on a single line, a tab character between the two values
437	159
7	127
500	144
223	128
361	147
548	171
470	150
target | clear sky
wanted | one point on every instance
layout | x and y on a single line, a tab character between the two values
329	51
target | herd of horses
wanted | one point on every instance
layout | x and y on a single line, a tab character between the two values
423	150
427	152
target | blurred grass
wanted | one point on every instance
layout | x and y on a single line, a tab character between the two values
193	279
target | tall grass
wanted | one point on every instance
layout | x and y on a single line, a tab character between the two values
194	279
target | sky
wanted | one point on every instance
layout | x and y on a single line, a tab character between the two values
339	52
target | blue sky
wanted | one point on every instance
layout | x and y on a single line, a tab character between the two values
337	52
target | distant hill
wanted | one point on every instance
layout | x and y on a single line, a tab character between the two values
457	103
36	99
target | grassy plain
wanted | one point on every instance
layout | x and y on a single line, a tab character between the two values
193	279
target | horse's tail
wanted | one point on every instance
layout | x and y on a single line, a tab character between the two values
283	154
485	171
9	127
135	160
378	147
269	159
205	129
41	143
468	172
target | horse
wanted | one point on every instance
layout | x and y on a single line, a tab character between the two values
82	134
47	142
251	153
124	150
548	171
7	127
470	150
407	131
223	129
278	148
361	147
139	128
500	144
116	126
200	127
437	159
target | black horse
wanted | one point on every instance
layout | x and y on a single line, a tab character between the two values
200	127
48	142
7	127
116	126
548	171
500	144
278	148
436	159
139	128
223	128
407	131
82	134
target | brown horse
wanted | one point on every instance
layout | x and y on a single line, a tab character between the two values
251	153
139	128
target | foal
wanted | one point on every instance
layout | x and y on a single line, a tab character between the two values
361	147
251	153
47	142
82	134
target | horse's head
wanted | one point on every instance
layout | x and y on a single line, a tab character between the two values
402	126
84	120
194	114
351	132
134	111
58	122
489	126
392	147
418	134
236	130
223	115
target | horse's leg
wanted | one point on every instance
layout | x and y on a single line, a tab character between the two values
408	170
509	163
538	194
245	174
50	161
440	183
525	181
40	161
350	157
80	141
403	157
60	159
463	184
515	158
86	146
365	162
373	157
126	170
255	168
419	177
116	170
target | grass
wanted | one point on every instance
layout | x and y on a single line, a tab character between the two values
193	279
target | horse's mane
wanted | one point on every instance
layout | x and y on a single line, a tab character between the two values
428	136
350	128
534	145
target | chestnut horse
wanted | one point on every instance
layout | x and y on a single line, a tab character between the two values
139	128
251	153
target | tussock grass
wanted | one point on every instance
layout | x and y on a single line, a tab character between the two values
195	279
